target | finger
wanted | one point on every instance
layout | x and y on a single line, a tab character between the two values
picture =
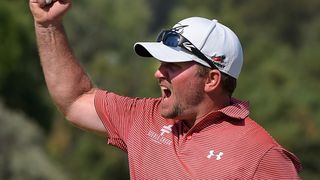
48	2
43	3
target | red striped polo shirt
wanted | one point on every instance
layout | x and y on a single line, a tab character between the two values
225	144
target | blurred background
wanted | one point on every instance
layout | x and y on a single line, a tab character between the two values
280	78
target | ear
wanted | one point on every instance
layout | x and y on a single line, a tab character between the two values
213	80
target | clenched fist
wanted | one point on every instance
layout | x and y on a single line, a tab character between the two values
46	12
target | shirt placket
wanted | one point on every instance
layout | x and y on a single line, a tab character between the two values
187	134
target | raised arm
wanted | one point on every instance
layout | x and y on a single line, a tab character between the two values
68	84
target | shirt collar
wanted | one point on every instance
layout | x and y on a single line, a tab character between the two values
237	109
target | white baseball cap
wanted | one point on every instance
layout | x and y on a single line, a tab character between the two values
214	40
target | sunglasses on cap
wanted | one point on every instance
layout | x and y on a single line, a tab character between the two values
172	38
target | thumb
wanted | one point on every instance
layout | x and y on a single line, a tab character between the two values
42	3
48	11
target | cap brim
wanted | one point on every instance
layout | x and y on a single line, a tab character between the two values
162	52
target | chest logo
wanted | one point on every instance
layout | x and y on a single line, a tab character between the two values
212	154
166	129
160	138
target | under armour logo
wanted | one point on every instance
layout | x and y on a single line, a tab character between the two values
212	154
166	129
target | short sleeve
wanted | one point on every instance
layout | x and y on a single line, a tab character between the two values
278	163
117	114
123	116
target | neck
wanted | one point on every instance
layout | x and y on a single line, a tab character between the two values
209	105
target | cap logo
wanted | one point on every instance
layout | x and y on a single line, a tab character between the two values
179	29
218	58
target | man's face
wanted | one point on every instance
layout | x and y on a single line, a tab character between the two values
182	89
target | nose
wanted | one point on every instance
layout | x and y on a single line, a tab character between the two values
160	72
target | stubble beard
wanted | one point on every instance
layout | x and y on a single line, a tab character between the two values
174	112
180	106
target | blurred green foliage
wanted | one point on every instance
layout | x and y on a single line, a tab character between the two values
21	81
22	149
280	78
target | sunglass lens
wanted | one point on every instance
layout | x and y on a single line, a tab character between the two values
171	39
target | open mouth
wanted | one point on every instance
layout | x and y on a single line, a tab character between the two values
166	93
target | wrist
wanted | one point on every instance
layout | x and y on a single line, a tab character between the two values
47	25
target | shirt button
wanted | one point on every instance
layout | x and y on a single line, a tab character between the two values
189	137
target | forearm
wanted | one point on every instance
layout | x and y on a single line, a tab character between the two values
65	78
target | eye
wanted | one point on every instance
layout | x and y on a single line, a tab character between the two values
171	68
174	66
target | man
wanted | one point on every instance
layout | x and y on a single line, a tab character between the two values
196	130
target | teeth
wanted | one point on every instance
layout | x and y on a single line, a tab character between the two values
165	91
